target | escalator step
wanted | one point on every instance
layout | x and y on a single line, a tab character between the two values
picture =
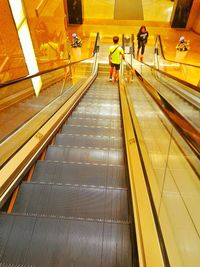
88	141
93	104
72	201
96	115
89	130
85	155
90	101
100	96
97	108
95	122
50	242
79	174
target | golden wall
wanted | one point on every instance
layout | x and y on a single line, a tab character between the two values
11	55
47	25
194	18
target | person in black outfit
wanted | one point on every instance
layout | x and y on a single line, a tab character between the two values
142	37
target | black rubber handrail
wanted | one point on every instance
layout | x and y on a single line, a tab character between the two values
51	70
192	86
158	39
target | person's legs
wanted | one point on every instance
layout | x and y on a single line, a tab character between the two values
138	51
117	67
111	73
111	70
116	75
142	52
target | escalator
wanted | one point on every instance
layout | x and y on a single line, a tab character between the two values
76	211
177	98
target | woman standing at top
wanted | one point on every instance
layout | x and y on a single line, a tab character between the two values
142	37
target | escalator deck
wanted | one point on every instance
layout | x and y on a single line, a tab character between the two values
74	212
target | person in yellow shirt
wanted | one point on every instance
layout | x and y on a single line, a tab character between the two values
115	54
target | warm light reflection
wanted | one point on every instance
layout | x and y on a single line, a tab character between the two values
26	42
17	11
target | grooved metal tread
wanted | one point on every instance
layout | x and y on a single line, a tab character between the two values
91	130
100	96
79	174
105	104
95	109
90	101
85	155
94	122
96	115
72	201
73	140
43	241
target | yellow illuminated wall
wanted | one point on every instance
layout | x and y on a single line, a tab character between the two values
26	42
12	63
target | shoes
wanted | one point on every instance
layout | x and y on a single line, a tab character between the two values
141	59
110	79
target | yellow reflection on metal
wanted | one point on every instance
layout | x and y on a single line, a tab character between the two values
26	42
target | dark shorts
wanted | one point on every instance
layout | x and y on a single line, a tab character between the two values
116	66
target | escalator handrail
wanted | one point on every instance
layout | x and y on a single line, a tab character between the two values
158	39
191	139
192	86
40	73
93	72
19	162
27	77
159	256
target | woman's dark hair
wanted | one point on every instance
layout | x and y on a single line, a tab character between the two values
142	27
115	39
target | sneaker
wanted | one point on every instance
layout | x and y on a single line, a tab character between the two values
110	79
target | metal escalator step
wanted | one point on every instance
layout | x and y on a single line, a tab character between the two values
100	96
72	201
94	122
88	141
41	241
85	155
96	115
86	107
91	101
79	174
89	130
97	97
